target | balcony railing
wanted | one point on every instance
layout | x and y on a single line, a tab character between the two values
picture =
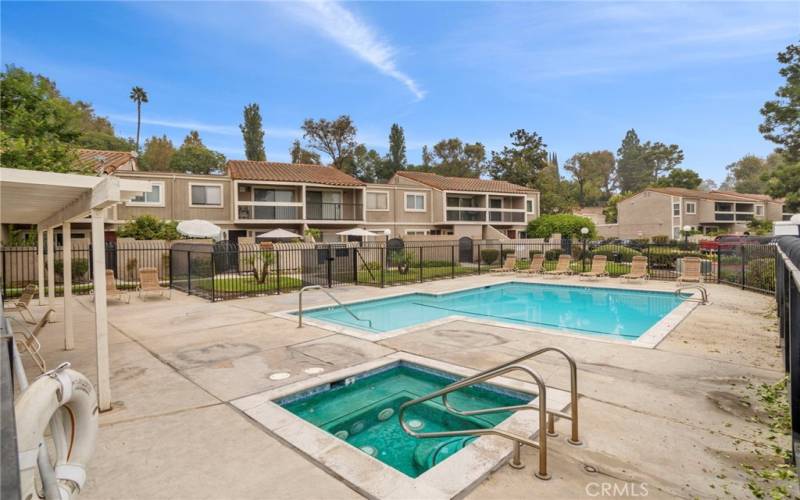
466	216
506	217
259	212
334	211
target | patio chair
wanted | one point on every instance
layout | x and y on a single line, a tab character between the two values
148	283
537	263
111	289
562	267
638	269
509	266
598	269
690	270
29	339
21	305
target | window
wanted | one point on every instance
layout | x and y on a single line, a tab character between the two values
415	202
529	206
676	233
676	209
205	195
759	210
416	232
273	195
691	207
495	203
152	199
377	201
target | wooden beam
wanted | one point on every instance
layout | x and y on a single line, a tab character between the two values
40	262
51	271
69	336
100	310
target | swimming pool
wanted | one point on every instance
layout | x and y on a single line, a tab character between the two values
362	411
610	313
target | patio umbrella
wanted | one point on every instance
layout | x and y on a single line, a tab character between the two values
278	234
199	229
356	232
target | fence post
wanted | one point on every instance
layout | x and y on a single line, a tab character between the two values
479	259
383	266
278	271
3	271
170	267
452	262
420	264
741	252
213	276
355	266
189	267
330	265
91	266
502	259
719	265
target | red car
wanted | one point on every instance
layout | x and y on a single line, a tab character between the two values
725	242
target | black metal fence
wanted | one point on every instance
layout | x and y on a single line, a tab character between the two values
788	299
226	270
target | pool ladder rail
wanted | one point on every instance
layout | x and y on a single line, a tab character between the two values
703	293
329	294
546	417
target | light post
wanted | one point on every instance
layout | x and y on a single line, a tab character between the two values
686	230
584	235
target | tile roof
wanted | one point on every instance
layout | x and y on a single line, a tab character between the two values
289	172
705	195
106	162
443	183
751	196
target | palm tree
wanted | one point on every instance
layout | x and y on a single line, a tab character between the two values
138	95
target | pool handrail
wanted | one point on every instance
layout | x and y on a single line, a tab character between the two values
516	462
574	438
703	293
329	294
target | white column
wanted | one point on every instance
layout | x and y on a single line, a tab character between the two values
40	263
51	271
100	310
69	339
303	194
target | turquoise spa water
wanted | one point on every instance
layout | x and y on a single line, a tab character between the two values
608	312
363	412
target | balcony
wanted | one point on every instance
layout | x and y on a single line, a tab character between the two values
466	216
505	216
260	212
334	211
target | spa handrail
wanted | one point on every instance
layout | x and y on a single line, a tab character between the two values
518	440
329	294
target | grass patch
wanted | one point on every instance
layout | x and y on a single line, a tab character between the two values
392	275
246	284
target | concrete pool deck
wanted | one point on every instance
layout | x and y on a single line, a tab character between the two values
670	417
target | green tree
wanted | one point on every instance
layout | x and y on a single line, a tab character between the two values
522	162
747	175
149	227
253	133
708	185
157	155
195	158
397	154
632	171
593	173
568	225
454	158
97	131
682	178
661	158
782	116
783	181
302	155
336	138
610	211
139	96
364	163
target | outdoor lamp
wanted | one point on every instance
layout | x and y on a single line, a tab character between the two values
686	230
584	231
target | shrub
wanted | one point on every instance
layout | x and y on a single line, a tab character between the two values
567	224
506	252
552	254
489	255
432	263
660	240
665	257
616	253
79	268
760	273
641	242
131	266
534	252
149	227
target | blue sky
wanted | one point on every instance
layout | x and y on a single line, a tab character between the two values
580	74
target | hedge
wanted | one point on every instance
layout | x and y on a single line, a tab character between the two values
489	255
624	254
760	273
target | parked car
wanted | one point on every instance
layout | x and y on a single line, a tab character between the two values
727	242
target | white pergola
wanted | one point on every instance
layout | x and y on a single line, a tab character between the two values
51	200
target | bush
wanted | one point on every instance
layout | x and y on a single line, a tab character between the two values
534	252
79	268
614	252
641	242
665	257
552	254
567	224
506	252
760	273
489	255
149	227
660	240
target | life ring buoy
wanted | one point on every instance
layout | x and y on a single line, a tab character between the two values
70	398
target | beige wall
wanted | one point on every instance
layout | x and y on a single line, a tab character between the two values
397	213
647	212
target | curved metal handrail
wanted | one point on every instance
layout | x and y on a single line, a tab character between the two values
329	294
703	293
573	375
518	440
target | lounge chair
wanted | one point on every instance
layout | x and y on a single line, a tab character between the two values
509	266
638	269
29	339
562	267
598	269
21	305
148	282
111	289
690	270
537	261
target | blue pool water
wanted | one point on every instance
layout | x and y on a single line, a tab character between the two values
363	411
607	312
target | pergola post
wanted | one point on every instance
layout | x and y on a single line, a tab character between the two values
51	271
40	262
69	337
100	310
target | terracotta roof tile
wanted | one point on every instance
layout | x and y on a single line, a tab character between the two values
705	195
463	183
289	172
105	162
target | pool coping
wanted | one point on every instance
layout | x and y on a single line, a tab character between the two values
649	339
370	477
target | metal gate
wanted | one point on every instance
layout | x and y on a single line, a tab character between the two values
465	249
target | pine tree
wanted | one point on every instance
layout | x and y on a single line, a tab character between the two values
253	133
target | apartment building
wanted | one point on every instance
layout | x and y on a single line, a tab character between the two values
665	211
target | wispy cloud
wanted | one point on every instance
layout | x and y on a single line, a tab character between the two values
356	35
277	132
